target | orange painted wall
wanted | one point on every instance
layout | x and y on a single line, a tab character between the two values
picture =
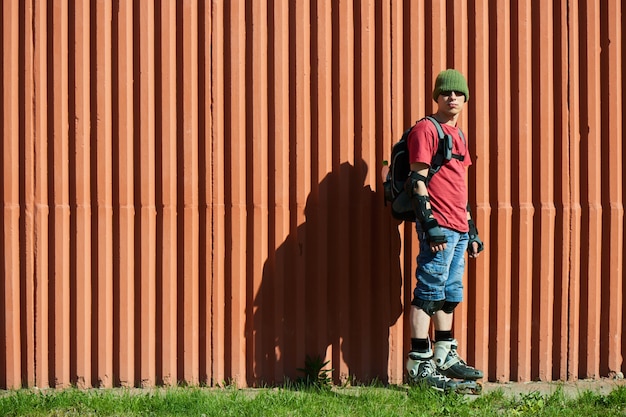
191	189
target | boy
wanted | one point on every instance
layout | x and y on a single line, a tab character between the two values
445	230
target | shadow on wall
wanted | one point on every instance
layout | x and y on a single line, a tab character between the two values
332	288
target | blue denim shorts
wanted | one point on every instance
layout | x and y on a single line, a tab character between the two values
440	274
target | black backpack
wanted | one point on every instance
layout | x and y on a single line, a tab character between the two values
400	168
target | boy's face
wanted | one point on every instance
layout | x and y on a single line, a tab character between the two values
451	102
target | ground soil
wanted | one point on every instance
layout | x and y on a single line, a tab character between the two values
570	388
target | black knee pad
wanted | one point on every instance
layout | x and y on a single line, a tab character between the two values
449	306
429	307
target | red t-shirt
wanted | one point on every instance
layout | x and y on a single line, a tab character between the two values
447	188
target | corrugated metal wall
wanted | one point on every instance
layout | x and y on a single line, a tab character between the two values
191	189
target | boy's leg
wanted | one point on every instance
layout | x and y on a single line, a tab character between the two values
443	320
446	356
420	323
420	366
430	288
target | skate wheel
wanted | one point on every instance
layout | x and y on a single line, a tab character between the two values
470	387
479	388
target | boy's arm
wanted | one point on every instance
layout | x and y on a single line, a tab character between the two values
475	245
420	199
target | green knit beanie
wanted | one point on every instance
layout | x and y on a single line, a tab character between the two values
450	80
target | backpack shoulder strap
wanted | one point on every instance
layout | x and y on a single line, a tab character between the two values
462	135
444	148
438	159
437	126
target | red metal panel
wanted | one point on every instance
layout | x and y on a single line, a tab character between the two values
300	173
201	198
316	210
205	191
103	166
566	276
613	256
29	206
458	34
438	36
216	239
145	159
236	242
343	160
169	246
10	337
478	112
258	153
124	317
543	152
369	328
269	303
190	192
522	143
401	71
82	233
503	217
41	218
591	139
60	238
563	217
458	12
574	190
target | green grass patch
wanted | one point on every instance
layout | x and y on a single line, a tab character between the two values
303	400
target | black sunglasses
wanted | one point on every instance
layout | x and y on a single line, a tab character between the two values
449	93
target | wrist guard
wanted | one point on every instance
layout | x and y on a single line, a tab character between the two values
420	203
433	231
473	237
423	212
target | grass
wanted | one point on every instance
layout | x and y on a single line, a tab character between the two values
305	401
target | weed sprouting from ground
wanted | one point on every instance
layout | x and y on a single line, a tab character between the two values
314	373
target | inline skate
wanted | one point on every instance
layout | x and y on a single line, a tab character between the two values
451	365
